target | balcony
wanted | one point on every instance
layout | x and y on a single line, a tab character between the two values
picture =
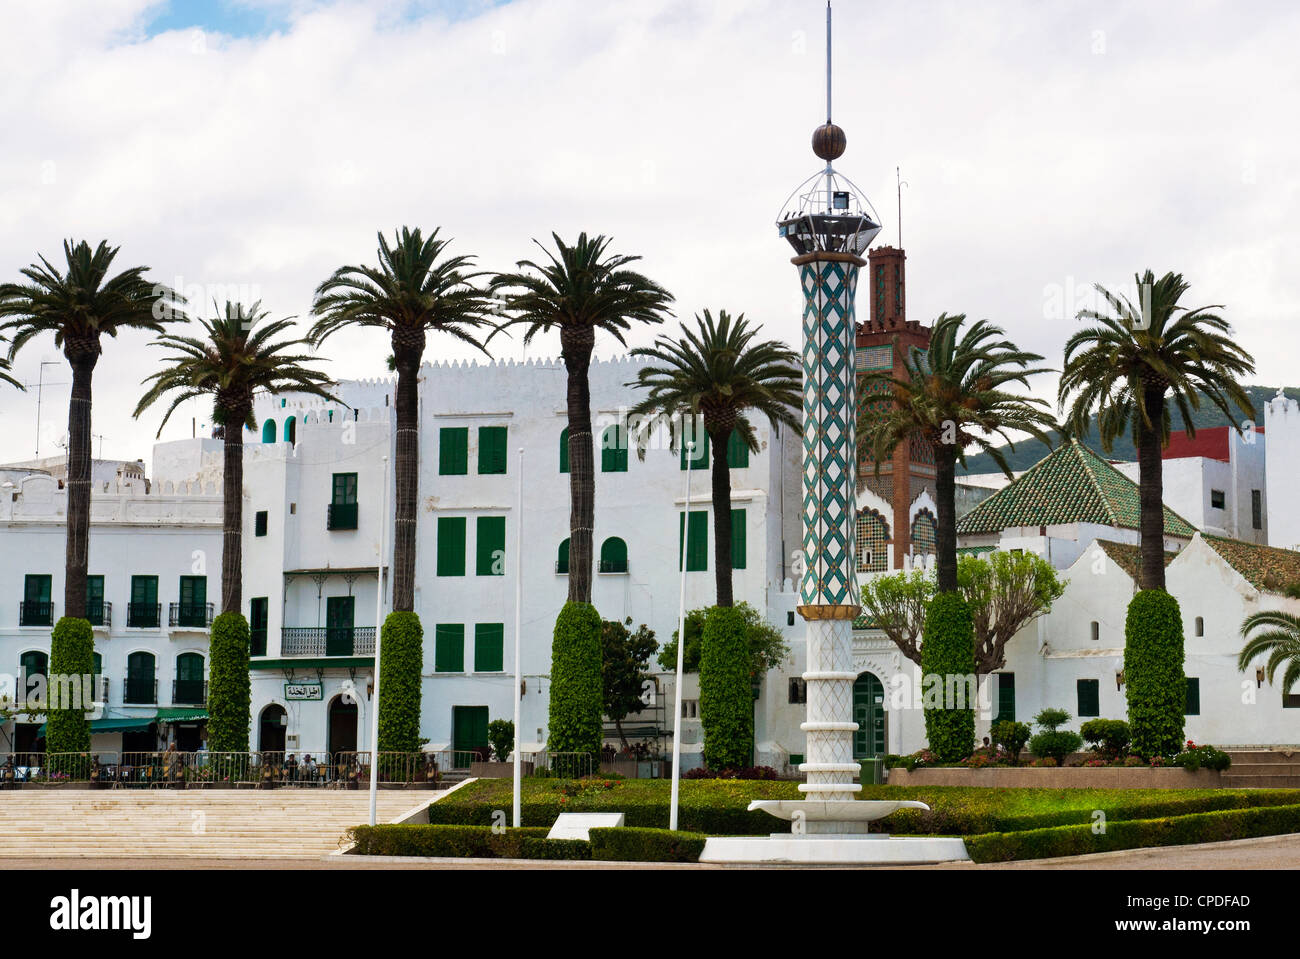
342	516
35	614
99	613
612	566
193	615
143	615
189	692
330	641
138	691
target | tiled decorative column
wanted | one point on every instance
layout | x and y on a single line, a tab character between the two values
829	599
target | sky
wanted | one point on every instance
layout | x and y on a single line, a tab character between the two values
244	149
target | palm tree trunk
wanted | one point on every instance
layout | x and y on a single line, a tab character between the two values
945	483
721	516
1151	488
406	472
232	510
577	345
82	356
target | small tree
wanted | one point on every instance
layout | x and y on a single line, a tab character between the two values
1053	743
72	651
1109	737
948	665
766	646
626	655
1011	736
896	606
501	734
726	700
1154	681
577	687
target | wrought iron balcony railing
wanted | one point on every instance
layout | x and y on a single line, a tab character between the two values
197	615
328	641
35	614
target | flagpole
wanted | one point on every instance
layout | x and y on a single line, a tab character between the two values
681	640
519	604
379	622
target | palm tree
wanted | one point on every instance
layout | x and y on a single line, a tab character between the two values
80	306
413	291
1137	363
955	396
237	357
1279	640
4	373
719	371
580	290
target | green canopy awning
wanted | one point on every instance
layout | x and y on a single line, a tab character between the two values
116	724
181	714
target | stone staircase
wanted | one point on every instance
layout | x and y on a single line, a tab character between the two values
189	823
1263	768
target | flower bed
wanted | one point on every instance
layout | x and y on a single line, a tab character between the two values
1064	777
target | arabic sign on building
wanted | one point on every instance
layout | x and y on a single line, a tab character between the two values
303	692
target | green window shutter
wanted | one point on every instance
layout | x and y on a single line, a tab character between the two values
451	545
562	559
564	450
36	589
453	451
492	442
613	556
701	461
738	551
259	523
1089	697
489	647
194	590
491	546
144	589
613	450
258	614
94	589
449	648
1193	707
1006	697
697	558
737	451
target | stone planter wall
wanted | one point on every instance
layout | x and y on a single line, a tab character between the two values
1068	777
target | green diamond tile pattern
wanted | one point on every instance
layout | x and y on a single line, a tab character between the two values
829	439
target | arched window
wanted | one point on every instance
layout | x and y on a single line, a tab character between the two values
268	431
291	430
190	688
925	534
613	450
613	556
1200	626
871	542
34	663
564	450
562	559
141	681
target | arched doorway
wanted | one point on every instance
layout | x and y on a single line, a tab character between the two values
869	714
343	726
270	729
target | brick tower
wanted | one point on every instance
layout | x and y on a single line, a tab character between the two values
884	339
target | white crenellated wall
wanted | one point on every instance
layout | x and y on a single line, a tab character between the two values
1282	427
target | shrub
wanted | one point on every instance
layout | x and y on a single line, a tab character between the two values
920	758
630	844
948	651
746	772
1193	757
229	685
477	842
402	651
567	849
1012	737
1051	743
72	653
726	699
1109	737
1155	683
577	683
501	734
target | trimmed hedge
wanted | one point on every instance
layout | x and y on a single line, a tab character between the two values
401	647
948	650
72	653
229	685
565	849
1135	834
726	698
646	845
1154	681
577	683
442	842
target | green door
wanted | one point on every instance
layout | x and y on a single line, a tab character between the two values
869	714
141	686
469	731
95	600
194	601
37	610
142	612
338	625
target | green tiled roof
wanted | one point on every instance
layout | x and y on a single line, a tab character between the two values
1267	568
1072	484
1127	557
974	550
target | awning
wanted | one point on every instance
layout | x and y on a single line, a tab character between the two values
115	724
181	714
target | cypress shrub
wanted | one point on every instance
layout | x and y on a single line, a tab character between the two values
229	685
1154	681
726	699
401	649
72	654
947	659
577	683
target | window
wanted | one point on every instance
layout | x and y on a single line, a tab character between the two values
259	523
789	618
697	543
737	451
449	648
739	554
291	430
1216	499
1193	707
925	534
870	542
268	431
192	610
1291	700
1006	697
343	502
453	451
562	559
142	611
1199	628
258	614
1096	631
34	663
95	600
340	618
613	556
451	545
1256	509
492	450
690	708
613	450
798	691
564	450
36	608
491	546
141	684
189	688
701	438
489	647
1089	697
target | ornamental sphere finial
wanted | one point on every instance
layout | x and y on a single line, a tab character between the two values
829	142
